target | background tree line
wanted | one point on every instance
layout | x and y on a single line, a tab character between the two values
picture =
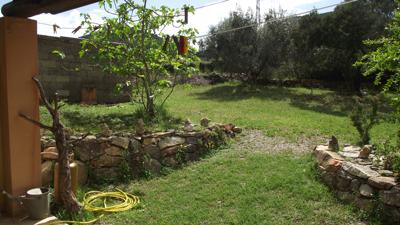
316	46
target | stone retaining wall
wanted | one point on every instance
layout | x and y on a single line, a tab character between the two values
356	178
124	156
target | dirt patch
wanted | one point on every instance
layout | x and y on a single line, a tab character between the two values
257	141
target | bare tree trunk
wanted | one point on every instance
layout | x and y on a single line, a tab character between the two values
68	198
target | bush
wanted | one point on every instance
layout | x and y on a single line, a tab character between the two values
365	115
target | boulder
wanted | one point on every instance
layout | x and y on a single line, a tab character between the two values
333	144
47	173
153	151
391	197
364	204
331	161
366	191
170	151
170	141
106	161
135	145
122	142
355	185
205	122
364	172
114	151
383	183
50	153
170	162
365	151
139	128
105	130
149	141
386	173
152	166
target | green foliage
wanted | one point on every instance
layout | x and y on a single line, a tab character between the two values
383	63
315	46
364	116
135	48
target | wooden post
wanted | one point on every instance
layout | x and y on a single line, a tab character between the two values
20	140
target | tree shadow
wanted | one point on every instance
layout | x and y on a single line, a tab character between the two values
327	101
124	121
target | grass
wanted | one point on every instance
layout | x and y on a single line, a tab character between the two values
278	111
235	187
238	185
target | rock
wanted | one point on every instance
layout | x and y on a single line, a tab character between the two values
188	126
193	140
350	154
153	151
366	191
391	197
170	162
205	122
386	173
358	170
106	173
345	196
365	151
50	153
105	130
331	161
152	166
90	137
383	183
355	185
47	173
343	181
192	156
333	144
170	151
106	161
237	130
134	145
114	151
328	178
82	172
364	204
139	128
170	141
122	142
351	148
149	141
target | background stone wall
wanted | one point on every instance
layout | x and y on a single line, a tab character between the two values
72	75
356	176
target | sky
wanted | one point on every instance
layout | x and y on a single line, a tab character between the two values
201	20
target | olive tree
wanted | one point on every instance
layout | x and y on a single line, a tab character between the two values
132	44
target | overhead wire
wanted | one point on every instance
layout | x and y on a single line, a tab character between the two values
55	26
277	19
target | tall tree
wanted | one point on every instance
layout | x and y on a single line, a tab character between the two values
131	43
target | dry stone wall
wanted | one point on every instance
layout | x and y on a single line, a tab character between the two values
123	155
356	176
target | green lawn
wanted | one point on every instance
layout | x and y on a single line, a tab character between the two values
239	185
287	112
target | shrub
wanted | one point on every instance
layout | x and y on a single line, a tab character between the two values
365	115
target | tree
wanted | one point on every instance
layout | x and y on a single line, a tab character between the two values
68	197
252	52
131	44
384	61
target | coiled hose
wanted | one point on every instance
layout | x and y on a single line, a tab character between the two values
128	201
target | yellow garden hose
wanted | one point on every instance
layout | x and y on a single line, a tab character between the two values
90	199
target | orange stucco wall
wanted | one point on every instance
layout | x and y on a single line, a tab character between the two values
20	140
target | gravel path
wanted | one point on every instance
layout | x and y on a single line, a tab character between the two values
256	140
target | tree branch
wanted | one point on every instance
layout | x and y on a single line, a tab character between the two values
43	95
37	123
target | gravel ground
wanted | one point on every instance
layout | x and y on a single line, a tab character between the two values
256	140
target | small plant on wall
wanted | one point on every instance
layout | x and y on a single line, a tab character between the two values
132	44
